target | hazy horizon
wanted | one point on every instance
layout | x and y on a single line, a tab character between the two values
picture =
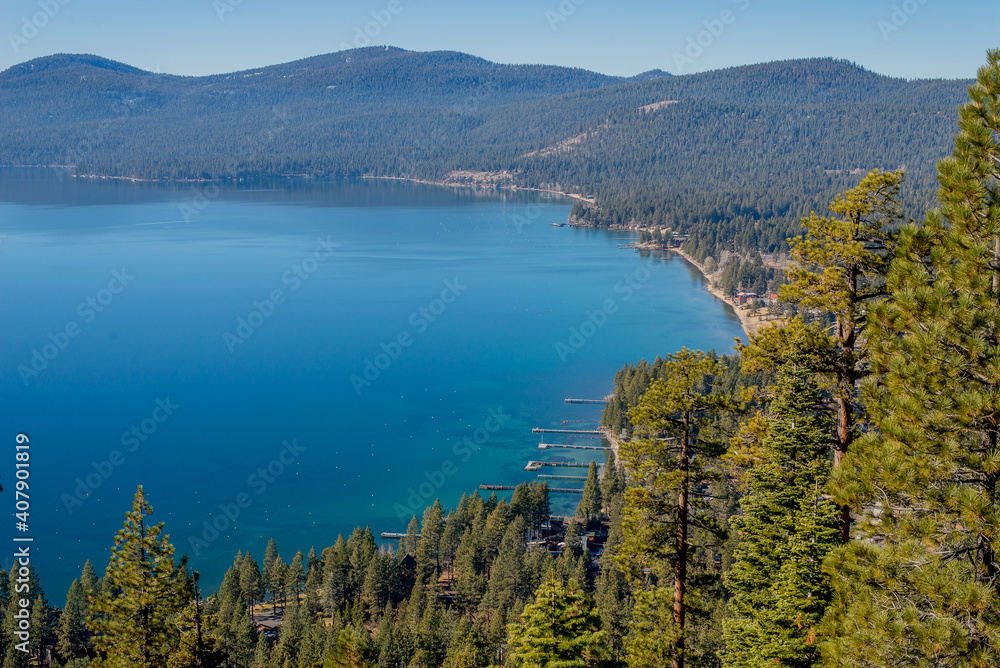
904	38
391	46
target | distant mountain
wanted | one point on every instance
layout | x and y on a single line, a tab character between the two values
651	74
735	155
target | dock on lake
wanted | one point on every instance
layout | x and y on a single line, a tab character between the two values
546	446
554	490
596	433
534	466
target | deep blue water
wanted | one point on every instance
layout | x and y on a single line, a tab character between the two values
467	303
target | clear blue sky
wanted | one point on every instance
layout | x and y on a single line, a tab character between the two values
916	38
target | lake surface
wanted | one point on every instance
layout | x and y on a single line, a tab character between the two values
295	358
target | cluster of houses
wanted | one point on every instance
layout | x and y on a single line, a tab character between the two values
744	299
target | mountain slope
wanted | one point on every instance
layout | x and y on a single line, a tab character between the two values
735	155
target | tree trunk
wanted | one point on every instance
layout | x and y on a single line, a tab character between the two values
845	409
845	434
680	566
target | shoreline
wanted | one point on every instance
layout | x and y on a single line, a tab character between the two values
442	184
750	324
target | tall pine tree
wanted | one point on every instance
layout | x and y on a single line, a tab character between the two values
133	621
786	528
921	590
668	470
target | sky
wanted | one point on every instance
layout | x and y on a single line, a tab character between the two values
904	38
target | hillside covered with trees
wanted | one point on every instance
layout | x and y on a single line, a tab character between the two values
733	157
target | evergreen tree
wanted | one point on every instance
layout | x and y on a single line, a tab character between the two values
667	470
72	636
293	630
278	578
559	630
312	561
840	269
270	555
508	581
198	643
590	504
613	481
296	575
429	547
779	592
262	654
613	594
338	577
921	590
412	538
133	621
353	649
242	641
571	540
251	583
470	580
313	589
88	581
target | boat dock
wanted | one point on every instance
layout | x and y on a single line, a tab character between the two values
546	446
585	401
596	433
534	466
553	490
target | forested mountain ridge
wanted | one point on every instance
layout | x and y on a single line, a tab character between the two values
734	156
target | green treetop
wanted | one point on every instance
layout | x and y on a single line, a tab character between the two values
560	629
786	528
921	590
590	505
133	621
840	268
667	471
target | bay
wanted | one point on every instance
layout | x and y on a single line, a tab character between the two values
294	358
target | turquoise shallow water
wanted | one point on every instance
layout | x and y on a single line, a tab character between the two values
292	359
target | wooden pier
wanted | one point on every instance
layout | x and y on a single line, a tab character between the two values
563	477
596	433
534	466
393	535
554	490
546	446
586	401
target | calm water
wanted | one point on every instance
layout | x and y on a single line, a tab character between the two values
215	349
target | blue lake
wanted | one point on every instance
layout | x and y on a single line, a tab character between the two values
295	358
